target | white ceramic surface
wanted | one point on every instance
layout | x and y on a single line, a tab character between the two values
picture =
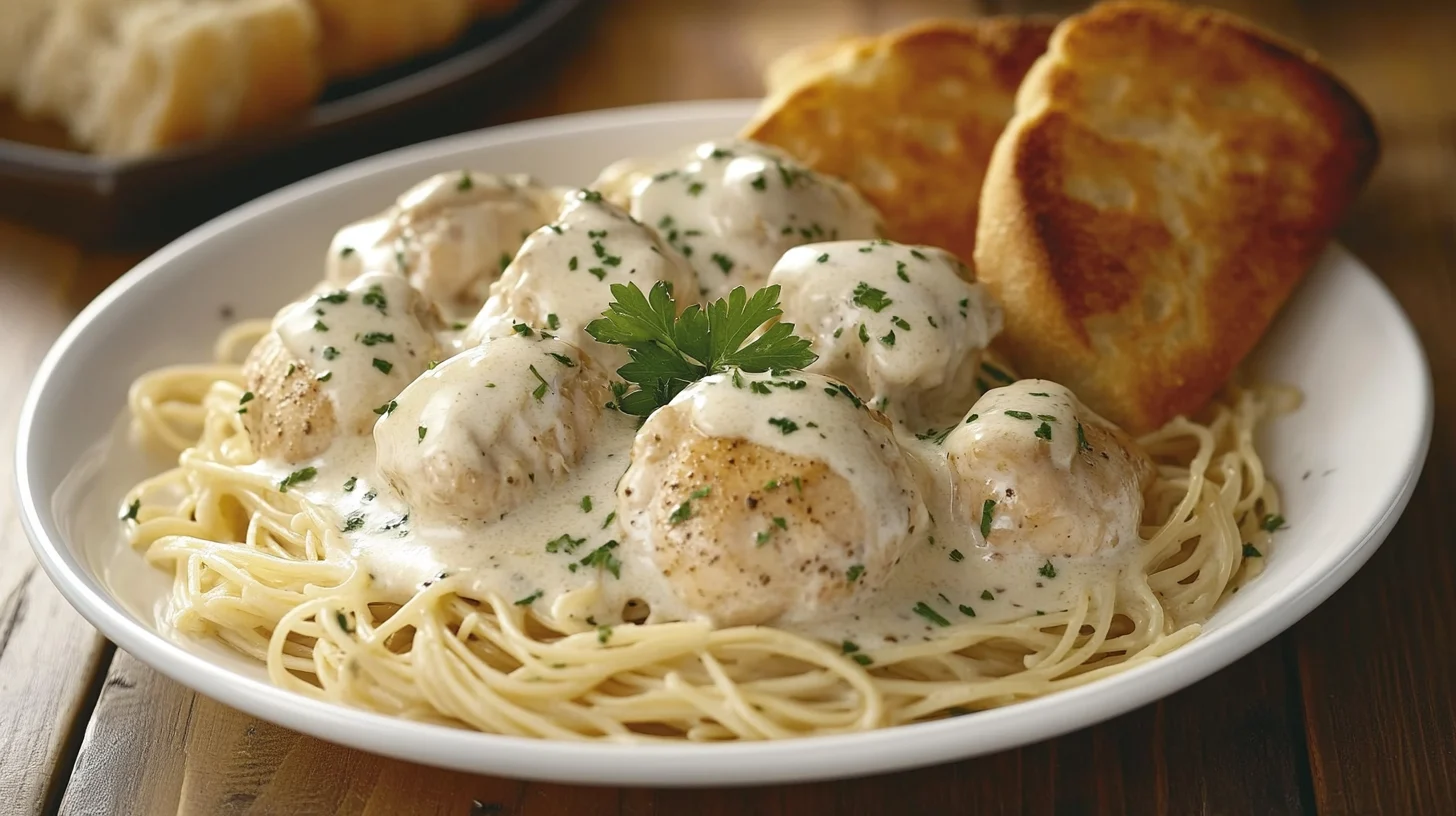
1347	462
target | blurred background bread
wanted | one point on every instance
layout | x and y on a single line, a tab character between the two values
908	118
1169	176
129	77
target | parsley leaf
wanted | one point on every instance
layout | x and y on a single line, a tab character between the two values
669	351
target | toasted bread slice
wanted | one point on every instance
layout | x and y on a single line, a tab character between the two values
1169	176
908	118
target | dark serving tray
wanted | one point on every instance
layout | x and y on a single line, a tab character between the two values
135	202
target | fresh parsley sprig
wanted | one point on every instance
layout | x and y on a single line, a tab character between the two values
670	351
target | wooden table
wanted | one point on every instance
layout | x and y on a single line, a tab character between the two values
1349	712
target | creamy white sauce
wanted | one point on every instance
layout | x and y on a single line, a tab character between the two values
733	207
452	234
364	343
563	276
900	324
557	544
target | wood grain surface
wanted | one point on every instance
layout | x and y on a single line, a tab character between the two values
1350	712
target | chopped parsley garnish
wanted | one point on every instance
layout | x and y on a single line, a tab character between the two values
923	609
350	483
931	320
724	262
781	522
375	338
759	183
1250	551
1044	431
330	353
822	258
571	264
291	368
669	351
900	323
1019	415
870	297
611	517
598	273
967	611
1272	522
564	543
423	430
353	521
465	182
553	322
762	537
957	556
987	596
386	408
1082	439
244	400
131	510
918	254
997	373
562	358
602	557
334	297
326	376
375	297
459	325
785	425
297	477
1038	394
346	252
540	391
590	195
384	366
972	418
701	493
848	647
900	271
1046	417
864	335
319	326
530	599
695	188
522	329
505	260
889	339
854	573
986	510
867	248
681	513
342	618
604	634
1047	570
586	504
862	659
936	436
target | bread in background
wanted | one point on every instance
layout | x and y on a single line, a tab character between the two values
1169	176
21	25
134	76
908	118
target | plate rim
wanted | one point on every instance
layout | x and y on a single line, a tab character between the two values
663	765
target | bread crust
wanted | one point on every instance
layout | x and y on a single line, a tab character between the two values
1168	178
908	118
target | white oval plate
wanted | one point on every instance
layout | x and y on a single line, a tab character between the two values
1347	462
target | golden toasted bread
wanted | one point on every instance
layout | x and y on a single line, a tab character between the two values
1169	176
909	117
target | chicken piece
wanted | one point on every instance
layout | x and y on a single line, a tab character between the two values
901	325
761	498
1056	478
561	280
734	207
332	362
452	235
480	433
